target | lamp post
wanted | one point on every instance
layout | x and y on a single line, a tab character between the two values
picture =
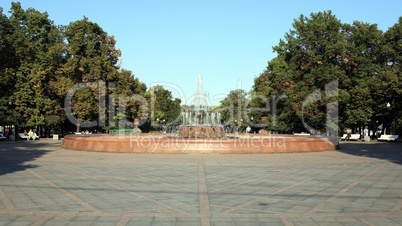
10	134
389	106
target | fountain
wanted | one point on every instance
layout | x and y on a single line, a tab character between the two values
200	122
199	132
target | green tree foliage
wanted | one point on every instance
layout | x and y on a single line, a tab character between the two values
320	49
91	54
393	78
8	65
41	62
233	109
164	108
307	60
34	39
270	108
363	65
129	88
91	57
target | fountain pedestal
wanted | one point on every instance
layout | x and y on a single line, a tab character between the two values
201	132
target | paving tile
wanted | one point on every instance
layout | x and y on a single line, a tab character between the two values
82	220
18	220
385	220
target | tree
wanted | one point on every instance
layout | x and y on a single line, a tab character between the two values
165	109
91	57
40	63
319	50
308	59
233	109
363	67
130	88
8	64
393	78
273	110
33	36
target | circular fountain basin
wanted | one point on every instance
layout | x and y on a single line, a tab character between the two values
171	143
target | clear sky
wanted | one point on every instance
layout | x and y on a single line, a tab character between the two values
228	42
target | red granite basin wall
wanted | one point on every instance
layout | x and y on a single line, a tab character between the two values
168	143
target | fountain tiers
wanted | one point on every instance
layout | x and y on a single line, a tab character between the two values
200	122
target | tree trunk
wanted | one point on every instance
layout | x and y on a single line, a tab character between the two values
62	129
16	131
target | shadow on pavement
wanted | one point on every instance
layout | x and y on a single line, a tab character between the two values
390	151
15	154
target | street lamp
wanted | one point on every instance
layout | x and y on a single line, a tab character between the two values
389	106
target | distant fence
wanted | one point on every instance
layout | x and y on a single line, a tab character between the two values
124	131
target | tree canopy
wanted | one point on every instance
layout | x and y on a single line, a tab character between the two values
364	61
51	73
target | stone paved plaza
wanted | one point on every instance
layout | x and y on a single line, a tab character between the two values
42	184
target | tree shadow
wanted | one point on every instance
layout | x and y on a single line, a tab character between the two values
16	155
390	151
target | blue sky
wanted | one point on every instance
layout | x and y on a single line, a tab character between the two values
228	42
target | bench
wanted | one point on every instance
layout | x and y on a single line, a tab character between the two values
352	137
388	137
2	136
23	136
301	134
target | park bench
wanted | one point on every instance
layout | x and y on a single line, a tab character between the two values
352	137
388	138
301	134
23	136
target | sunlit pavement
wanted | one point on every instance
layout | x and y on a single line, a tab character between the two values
42	184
